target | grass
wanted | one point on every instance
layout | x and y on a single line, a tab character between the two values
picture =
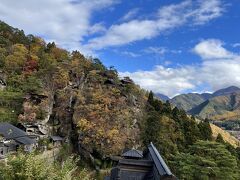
8	115
10	106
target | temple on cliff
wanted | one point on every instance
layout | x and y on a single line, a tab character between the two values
138	165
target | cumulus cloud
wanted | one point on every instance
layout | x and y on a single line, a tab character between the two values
68	22
125	33
216	71
168	81
64	21
212	49
168	18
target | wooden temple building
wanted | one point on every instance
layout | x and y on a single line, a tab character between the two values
136	165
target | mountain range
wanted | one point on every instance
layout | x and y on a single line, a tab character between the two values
223	104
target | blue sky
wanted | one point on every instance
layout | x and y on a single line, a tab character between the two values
169	47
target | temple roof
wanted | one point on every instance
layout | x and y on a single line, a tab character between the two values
133	153
160	164
11	132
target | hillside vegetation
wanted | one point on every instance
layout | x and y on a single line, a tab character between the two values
225	107
220	105
188	101
84	101
225	135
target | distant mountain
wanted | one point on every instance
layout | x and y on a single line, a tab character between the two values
188	101
225	107
162	97
207	95
220	105
225	91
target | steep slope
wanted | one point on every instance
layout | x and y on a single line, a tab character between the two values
226	91
162	97
68	94
191	101
226	107
188	101
227	137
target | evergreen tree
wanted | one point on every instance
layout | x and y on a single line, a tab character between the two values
158	106
219	139
191	131
150	98
152	127
205	130
238	153
167	109
206	160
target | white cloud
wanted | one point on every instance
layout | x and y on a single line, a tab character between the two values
212	49
168	18
125	33
97	28
236	45
131	14
159	50
65	21
156	50
130	54
216	71
208	10
68	22
168	81
167	63
221	73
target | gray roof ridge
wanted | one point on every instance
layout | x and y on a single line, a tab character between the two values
160	160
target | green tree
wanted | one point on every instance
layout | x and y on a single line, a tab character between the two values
151	128
191	131
31	166
167	109
151	98
206	160
219	139
162	131
15	62
3	53
205	130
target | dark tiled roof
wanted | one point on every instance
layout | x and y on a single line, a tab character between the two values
56	138
135	165
160	164
11	132
133	153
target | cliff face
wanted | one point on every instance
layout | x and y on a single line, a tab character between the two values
103	114
67	94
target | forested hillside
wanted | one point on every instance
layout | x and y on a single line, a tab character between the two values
220	105
81	99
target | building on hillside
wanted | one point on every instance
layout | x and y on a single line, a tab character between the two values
12	138
34	129
136	165
56	140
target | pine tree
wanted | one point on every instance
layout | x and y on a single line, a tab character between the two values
150	98
206	160
219	139
205	130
